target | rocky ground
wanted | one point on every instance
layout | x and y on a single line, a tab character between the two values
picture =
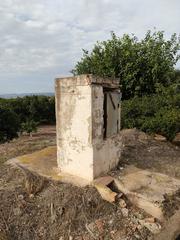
61	211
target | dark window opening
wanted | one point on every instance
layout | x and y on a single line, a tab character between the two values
111	112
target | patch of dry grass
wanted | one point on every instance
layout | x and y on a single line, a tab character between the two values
45	136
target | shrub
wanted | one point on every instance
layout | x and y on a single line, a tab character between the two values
9	124
158	113
29	126
39	108
23	114
140	64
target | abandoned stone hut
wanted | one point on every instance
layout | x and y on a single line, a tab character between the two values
88	123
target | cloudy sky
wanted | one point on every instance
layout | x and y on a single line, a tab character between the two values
42	39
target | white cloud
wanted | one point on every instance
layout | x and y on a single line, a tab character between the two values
42	38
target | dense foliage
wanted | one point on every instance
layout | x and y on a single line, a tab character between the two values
39	108
29	126
9	124
24	114
139	64
159	113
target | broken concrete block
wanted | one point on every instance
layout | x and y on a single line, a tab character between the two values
101	184
105	180
145	204
147	189
106	193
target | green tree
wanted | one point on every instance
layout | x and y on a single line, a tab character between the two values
29	126
9	124
158	113
139	64
39	108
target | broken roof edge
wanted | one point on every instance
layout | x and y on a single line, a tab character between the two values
87	79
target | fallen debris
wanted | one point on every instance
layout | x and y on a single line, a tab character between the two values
102	184
106	193
147	190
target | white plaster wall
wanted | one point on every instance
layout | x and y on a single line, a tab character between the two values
74	131
81	149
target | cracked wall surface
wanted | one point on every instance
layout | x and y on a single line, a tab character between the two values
81	147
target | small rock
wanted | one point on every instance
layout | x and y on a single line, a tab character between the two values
111	222
122	203
31	195
20	197
149	220
160	138
137	236
125	212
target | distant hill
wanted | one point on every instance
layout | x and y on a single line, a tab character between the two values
14	95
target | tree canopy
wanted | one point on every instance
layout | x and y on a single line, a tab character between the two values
24	114
139	64
9	124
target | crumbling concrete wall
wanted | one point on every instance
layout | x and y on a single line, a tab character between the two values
106	151
73	114
81	147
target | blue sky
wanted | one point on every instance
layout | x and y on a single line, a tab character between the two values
40	40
